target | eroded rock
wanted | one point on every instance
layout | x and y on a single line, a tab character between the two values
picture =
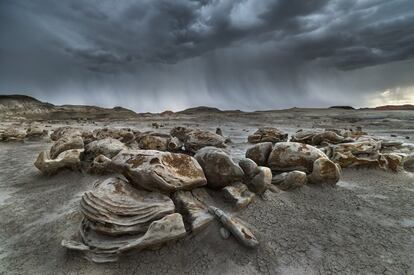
260	152
102	248
66	142
219	169
238	194
325	171
125	135
35	131
260	182
408	163
267	134
159	171
249	167
192	206
290	156
101	165
195	139
154	141
108	147
67	160
64	131
114	207
290	180
12	134
235	226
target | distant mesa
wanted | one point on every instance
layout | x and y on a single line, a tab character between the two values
342	107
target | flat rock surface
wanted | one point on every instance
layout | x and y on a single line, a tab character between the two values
363	225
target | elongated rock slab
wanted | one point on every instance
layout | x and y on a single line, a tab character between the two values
238	230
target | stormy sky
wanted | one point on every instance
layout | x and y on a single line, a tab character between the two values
153	55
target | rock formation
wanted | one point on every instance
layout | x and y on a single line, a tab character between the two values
159	171
267	134
219	169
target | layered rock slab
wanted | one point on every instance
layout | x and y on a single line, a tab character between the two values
114	207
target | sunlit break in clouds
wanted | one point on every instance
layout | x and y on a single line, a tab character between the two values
153	55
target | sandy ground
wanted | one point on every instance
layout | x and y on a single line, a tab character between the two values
365	225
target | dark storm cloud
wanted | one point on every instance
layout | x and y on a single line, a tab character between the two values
226	53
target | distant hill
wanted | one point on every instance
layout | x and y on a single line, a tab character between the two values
26	106
200	109
408	107
342	107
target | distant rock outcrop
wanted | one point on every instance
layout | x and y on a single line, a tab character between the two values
29	107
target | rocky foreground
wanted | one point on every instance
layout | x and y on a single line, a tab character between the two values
163	196
283	200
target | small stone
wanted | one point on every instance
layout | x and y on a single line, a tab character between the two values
224	233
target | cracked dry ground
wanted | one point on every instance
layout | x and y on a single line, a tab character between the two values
365	225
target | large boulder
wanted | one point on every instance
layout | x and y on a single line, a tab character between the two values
408	163
12	134
114	207
249	167
267	134
64	131
304	136
219	168
261	181
195	139
290	156
154	141
257	178
290	180
35	131
66	142
125	135
325	171
108	147
260	152
67	160
175	145
159	171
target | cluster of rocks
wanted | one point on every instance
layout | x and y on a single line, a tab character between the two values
34	131
162	192
317	156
